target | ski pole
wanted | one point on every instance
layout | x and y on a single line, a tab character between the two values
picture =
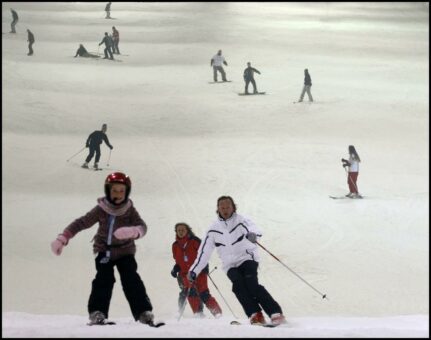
222	296
212	270
323	295
183	307
109	158
76	153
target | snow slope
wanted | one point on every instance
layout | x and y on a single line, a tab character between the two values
185	142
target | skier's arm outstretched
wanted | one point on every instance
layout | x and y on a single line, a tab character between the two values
105	139
84	222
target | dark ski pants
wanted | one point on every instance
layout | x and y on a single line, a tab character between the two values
252	296
107	51
115	48
93	149
247	82
30	48
221	70
12	26
133	287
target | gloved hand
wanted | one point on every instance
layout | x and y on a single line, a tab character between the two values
251	237
175	270
111	147
58	244
191	276
127	232
86	145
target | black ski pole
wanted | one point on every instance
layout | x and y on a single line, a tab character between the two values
322	295
183	307
109	158
222	296
212	270
76	153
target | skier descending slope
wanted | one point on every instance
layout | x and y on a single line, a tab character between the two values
93	142
235	238
353	164
114	243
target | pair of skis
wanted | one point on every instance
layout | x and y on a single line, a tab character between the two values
343	197
268	325
108	322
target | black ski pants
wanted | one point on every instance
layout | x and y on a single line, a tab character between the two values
247	82
133	287
30	48
252	296
108	52
93	149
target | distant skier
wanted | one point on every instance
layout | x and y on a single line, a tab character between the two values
249	77
82	52
353	172
93	142
118	226
108	10
30	40
307	86
235	238
184	251
217	63
14	20
116	40
107	40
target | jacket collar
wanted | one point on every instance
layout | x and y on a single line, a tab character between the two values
116	210
228	219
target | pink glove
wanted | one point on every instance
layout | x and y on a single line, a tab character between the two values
128	232
58	244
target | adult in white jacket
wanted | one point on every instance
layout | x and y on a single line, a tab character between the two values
235	238
217	63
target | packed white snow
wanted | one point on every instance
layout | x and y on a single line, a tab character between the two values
185	142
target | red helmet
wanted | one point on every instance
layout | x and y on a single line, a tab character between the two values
117	177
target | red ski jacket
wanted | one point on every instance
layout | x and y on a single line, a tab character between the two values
184	251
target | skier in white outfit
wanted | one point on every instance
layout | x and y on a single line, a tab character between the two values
217	63
235	238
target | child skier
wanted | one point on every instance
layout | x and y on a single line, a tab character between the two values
184	251
114	243
353	164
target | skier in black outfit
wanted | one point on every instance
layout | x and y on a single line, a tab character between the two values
14	21
30	40
249	77
108	10
108	45
82	52
93	142
307	87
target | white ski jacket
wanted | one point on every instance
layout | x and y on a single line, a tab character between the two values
229	237
354	164
218	60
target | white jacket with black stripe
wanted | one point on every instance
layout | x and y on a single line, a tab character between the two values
229	237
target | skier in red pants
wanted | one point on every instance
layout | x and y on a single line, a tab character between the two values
184	251
353	164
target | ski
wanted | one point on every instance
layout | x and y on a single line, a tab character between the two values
268	325
250	94
342	197
217	82
102	323
156	325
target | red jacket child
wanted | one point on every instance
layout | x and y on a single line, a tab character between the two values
184	251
